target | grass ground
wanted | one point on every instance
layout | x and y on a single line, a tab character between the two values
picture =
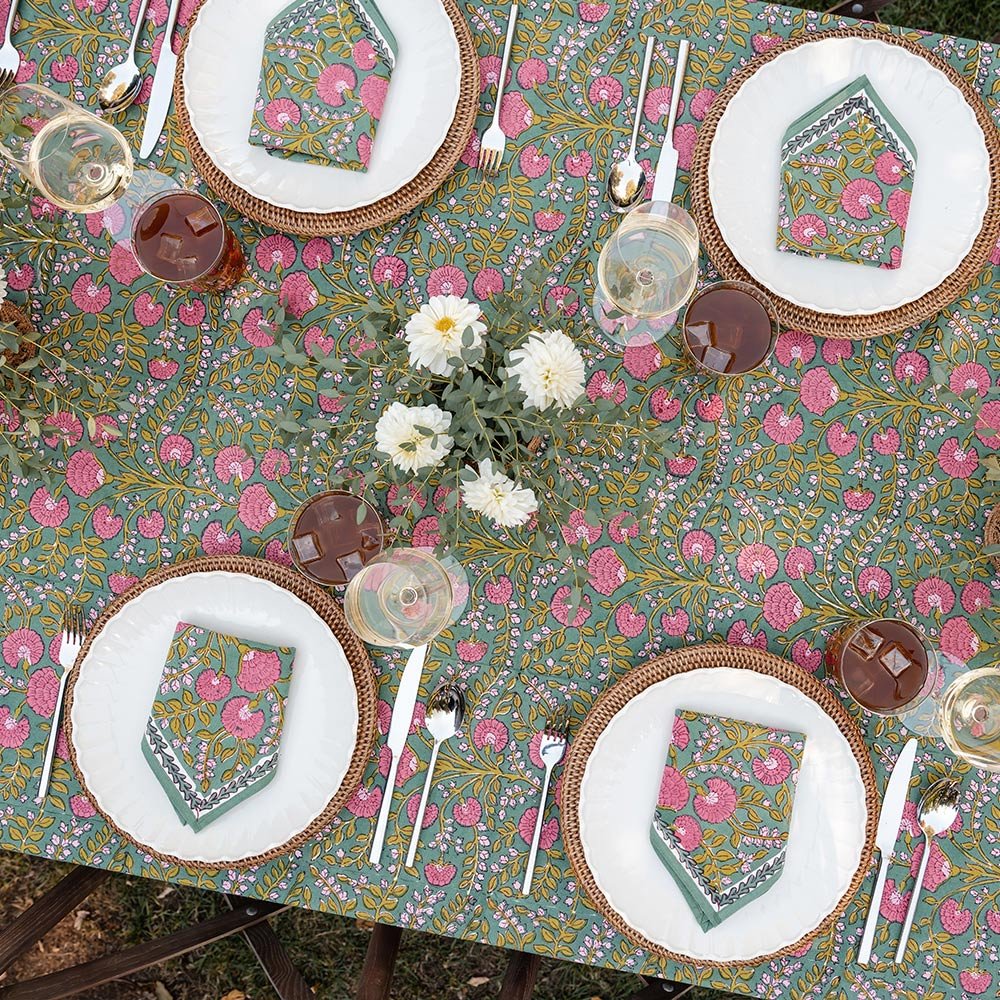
328	949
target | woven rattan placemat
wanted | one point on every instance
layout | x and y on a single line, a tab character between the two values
357	656
365	217
827	324
669	665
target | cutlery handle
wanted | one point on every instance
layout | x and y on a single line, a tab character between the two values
529	871
50	746
911	912
511	23
419	822
865	951
383	814
137	30
643	80
675	96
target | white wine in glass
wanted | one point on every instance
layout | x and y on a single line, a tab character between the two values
969	717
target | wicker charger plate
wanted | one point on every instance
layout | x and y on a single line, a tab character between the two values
377	213
329	611
669	665
827	324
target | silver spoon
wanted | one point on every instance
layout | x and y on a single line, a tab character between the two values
936	811
122	83
626	179
445	713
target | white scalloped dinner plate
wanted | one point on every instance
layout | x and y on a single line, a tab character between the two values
221	68
117	681
950	191
618	796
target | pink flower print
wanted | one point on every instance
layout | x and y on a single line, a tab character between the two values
499	592
430	811
858	499
280	113
84	474
216	542
122	264
698	545
761	42
718	803
970	375
298	294
531	73
685	139
994	257
933	596
894	903
332	404
839	440
592	12
781	426
13	732
373	91
711	408
439	873
105	523
43	690
578	530
674	791
899	209
740	635
578	163
365	802
426	533
561	299
911	366
629	622
151	526
953	918
799	562
976	596
805	656
889	168
607	571
858	196
757	560
363	54
467	812
21	278
257	507
642	360
233	464
688	832
657	104
489	73
447	280
605	90
560	608
662	405
317	252
622	527
389	269
163	369
601	386
69	429
549	220
957	461
701	102
82	807
993	920
488	282
10	418
332	83
147	312
515	115
104	430
240	720
533	162
782	606
886	442
255	331
975	981
275	552
808	228
212	686
795	347
259	670
120	582
176	448
46	510
490	735
471	650
988	424
470	155
65	69
275	251
772	769
315	338
88	296
526	828
958	640
938	866
403	498
275	464
818	391
875	582
675	623
680	736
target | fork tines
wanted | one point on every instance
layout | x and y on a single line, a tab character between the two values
557	724
73	624
489	159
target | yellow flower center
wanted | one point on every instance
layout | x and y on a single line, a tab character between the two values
445	324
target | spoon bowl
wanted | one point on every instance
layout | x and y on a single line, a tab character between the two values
626	178
122	83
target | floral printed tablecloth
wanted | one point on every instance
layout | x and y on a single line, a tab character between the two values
830	483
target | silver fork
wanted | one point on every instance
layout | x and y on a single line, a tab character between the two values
492	146
551	749
10	58
69	650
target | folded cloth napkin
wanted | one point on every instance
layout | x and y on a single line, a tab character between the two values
323	81
214	729
725	802
847	172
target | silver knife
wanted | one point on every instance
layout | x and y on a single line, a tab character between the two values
163	86
399	729
666	166
885	838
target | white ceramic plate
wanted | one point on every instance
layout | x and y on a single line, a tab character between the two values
117	683
618	797
950	190
221	69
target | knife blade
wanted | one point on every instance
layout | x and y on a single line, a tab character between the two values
399	729
666	166
893	803
163	86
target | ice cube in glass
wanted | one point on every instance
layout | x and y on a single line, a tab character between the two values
895	659
201	220
716	359
866	642
307	547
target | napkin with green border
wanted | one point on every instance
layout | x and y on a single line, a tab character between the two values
723	811
847	170
323	82
214	729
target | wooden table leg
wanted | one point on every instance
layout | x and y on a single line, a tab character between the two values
380	962
519	979
37	920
